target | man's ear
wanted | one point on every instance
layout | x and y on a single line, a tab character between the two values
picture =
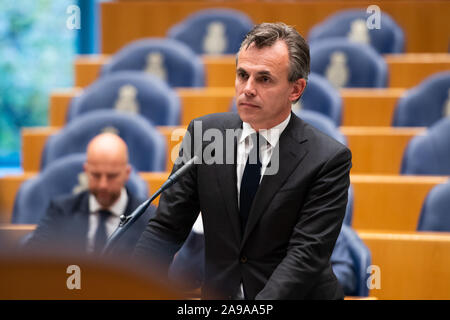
297	89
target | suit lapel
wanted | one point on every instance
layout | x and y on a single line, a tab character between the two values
226	175
79	227
292	149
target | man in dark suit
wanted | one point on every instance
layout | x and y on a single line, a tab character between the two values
274	197
82	223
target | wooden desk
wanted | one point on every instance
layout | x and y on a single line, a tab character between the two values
195	102
405	70
361	107
378	150
408	70
412	265
425	23
380	202
390	202
369	107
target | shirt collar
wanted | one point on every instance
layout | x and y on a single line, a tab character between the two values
271	135
117	209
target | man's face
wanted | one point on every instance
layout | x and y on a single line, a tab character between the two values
106	179
263	93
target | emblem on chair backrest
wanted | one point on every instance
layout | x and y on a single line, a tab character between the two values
126	102
337	71
215	41
446	106
359	32
296	107
110	129
155	65
82	183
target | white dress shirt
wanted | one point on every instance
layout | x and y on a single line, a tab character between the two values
245	144
117	209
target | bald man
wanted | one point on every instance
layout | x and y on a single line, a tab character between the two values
82	223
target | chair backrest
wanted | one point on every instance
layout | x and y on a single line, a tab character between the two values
354	25
168	59
63	176
213	31
426	103
429	153
362	259
322	97
348	64
146	146
348	218
131	92
435	214
323	123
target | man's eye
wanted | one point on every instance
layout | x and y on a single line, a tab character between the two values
242	75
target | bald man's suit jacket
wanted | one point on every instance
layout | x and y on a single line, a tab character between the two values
284	251
64	226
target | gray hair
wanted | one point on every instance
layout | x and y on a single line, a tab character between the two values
266	34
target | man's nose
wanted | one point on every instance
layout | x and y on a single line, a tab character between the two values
103	183
249	89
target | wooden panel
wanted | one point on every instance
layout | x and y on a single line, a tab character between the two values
409	70
174	136
154	181
425	23
33	142
378	150
369	107
59	105
87	68
199	102
390	202
9	185
412	265
220	70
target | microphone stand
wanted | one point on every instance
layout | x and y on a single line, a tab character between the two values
127	221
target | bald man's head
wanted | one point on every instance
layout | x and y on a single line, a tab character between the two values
107	167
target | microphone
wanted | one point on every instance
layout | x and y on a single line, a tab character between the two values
127	221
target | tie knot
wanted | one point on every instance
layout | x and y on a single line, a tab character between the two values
104	214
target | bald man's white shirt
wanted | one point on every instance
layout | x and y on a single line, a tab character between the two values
117	209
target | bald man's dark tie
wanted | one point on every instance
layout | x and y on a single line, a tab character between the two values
101	235
250	181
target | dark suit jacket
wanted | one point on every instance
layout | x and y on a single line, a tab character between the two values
64	226
284	252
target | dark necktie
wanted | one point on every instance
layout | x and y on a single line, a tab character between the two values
250	181
100	235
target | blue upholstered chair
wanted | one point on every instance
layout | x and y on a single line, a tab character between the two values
435	214
322	97
131	92
426	103
429	153
323	123
147	147
61	177
213	31
389	38
168	59
361	257
348	64
348	219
